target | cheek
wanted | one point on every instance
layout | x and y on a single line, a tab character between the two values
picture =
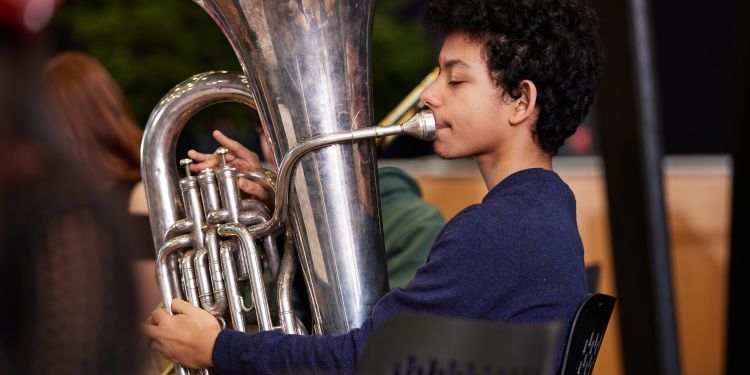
481	111
483	131
489	117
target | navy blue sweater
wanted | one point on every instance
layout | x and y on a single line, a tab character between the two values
516	257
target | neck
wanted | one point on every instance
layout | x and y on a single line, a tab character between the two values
496	166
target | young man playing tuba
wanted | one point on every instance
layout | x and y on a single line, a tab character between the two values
516	79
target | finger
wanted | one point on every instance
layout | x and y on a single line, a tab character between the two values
149	330
150	321
227	142
255	190
206	161
251	188
159	314
197	156
237	148
180	306
200	161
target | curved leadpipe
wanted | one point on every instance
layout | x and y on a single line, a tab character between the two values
421	126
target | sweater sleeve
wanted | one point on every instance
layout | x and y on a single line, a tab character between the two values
273	352
445	285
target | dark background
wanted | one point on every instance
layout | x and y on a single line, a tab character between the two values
695	43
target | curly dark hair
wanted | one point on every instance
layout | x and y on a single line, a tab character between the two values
552	43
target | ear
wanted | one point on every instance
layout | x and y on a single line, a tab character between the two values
525	106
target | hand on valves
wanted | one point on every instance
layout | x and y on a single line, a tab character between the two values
239	157
187	337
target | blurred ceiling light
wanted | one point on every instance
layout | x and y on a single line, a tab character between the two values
30	16
37	13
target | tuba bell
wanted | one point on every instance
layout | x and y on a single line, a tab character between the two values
306	71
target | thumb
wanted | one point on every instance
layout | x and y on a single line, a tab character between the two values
256	190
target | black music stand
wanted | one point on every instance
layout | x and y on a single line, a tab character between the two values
422	344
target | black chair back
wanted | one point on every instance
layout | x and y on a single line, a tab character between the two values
592	277
420	344
587	334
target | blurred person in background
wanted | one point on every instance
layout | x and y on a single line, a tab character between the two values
97	127
93	117
64	279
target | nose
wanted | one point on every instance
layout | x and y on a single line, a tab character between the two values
430	96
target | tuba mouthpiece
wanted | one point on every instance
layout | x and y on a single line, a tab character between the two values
421	126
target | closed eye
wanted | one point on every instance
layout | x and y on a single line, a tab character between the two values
455	83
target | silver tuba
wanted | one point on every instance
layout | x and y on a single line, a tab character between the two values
306	71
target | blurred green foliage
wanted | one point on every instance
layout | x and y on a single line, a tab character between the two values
402	54
150	46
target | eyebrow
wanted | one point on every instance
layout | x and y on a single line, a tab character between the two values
456	62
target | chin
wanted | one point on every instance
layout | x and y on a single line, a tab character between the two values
445	153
